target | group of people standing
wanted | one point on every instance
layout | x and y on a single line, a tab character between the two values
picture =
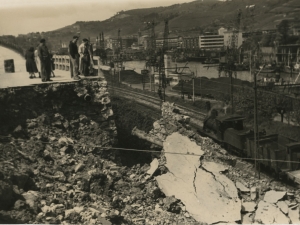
81	58
40	61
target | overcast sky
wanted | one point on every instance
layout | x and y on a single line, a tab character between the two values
24	16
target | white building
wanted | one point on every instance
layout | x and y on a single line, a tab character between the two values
211	41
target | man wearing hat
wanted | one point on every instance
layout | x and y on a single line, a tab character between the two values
74	58
44	56
85	57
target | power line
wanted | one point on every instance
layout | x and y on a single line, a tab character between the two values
153	151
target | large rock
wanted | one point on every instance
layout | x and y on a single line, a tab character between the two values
274	196
241	187
248	206
209	196
267	213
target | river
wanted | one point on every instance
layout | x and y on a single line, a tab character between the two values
196	67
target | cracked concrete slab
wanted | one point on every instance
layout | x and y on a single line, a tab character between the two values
283	207
268	213
294	215
274	196
209	196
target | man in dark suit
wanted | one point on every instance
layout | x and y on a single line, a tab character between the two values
44	56
74	58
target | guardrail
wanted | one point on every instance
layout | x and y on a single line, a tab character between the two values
62	62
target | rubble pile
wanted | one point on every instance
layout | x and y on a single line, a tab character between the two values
195	166
58	165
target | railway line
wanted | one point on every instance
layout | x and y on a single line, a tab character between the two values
196	117
196	122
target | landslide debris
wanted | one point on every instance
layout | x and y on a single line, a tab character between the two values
200	173
58	164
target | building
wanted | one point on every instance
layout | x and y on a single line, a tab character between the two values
228	38
112	43
173	42
190	43
127	42
145	41
268	54
210	41
288	54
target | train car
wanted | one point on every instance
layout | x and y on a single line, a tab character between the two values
215	126
236	140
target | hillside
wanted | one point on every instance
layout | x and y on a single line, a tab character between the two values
187	19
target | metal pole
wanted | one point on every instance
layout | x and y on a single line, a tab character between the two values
193	89
119	72
254	80
200	84
231	92
150	75
255	125
255	121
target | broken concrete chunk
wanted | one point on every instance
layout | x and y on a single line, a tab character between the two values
247	218
31	197
208	195
267	213
283	207
79	167
274	196
153	167
248	206
294	215
186	119
253	193
241	187
65	141
156	125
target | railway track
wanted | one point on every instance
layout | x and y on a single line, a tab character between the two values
154	102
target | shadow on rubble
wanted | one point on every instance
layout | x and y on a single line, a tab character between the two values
127	115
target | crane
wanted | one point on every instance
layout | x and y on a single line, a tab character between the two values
151	57
232	51
161	65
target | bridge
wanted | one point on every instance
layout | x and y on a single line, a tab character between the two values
62	72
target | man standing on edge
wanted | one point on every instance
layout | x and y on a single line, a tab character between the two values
44	56
74	58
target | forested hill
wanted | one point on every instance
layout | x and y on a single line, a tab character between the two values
187	19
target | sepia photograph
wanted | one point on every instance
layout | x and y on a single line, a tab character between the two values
161	112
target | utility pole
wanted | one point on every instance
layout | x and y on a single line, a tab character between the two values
193	89
255	124
231	92
200	84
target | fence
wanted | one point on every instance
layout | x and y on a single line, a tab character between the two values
62	62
